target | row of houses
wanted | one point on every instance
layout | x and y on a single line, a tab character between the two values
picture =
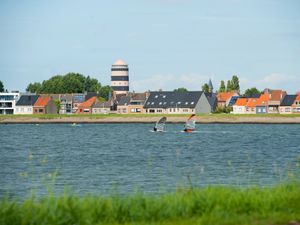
156	102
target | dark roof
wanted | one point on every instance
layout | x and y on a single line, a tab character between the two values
90	95
138	96
252	96
210	84
233	100
27	100
106	104
212	99
171	99
288	100
124	100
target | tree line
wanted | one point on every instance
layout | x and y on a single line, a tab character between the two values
70	83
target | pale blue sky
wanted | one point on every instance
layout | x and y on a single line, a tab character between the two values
167	43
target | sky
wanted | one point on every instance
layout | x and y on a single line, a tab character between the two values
166	43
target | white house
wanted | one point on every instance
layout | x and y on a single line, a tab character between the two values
25	104
8	102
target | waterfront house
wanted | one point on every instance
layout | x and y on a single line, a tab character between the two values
44	105
8	102
170	102
240	106
262	104
286	106
296	105
25	104
86	107
66	103
132	103
78	98
224	98
275	98
101	107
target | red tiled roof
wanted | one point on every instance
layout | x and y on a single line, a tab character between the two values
298	97
277	95
224	96
42	101
88	103
241	102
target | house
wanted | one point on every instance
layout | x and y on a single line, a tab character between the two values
132	103
262	104
296	105
44	105
25	104
240	106
225	97
101	107
170	102
86	107
286	106
78	98
8	102
66	104
275	98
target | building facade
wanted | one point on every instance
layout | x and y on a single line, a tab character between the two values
120	77
25	104
8	102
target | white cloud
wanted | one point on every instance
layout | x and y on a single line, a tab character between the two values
276	78
170	82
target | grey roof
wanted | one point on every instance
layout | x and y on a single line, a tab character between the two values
171	99
124	100
90	95
27	100
210	85
106	104
138	96
212	99
288	100
66	97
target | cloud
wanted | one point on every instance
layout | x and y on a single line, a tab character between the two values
278	78
170	82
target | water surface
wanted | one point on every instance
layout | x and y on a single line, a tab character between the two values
101	158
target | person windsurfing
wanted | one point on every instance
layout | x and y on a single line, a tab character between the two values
160	125
190	124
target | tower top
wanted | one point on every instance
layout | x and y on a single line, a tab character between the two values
210	85
119	62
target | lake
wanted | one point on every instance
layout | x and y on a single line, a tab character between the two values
104	158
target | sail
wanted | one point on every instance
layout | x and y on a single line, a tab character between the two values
190	124
160	125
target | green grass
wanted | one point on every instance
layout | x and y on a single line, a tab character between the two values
209	205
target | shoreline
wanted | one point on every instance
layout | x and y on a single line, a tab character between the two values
207	119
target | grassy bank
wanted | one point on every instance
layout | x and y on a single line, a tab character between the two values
210	205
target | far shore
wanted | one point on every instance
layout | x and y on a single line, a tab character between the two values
115	118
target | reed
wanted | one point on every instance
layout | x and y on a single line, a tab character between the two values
209	205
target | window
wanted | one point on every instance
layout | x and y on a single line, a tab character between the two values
156	96
151	111
160	103
148	103
186	103
165	103
178	103
159	110
287	109
192	103
41	110
36	110
164	96
152	103
170	110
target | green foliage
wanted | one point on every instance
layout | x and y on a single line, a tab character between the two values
57	103
229	86
182	89
69	83
251	91
34	88
210	205
205	88
226	109
222	86
104	92
1	86
235	83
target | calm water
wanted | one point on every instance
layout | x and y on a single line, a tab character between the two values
101	158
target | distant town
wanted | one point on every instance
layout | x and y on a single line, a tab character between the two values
179	101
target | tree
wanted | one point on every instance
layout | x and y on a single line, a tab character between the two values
222	86
57	103
182	89
251	91
205	88
1	86
34	88
229	86
104	92
235	84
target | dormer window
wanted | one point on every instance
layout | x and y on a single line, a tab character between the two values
156	96
186	103
160	103
178	103
164	96
192	103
